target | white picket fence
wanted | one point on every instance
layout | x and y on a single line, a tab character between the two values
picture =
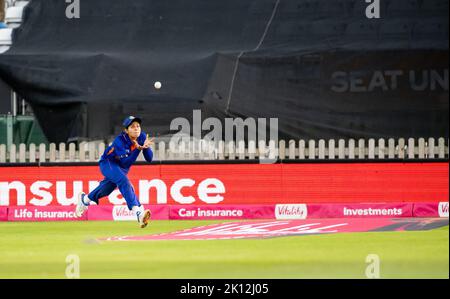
293	149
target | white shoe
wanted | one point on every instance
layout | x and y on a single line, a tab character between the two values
81	207
144	218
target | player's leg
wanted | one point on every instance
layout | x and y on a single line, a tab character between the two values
127	190
115	174
103	189
84	200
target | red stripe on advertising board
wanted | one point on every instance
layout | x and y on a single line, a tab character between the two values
241	183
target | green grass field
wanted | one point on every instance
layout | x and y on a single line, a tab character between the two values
39	250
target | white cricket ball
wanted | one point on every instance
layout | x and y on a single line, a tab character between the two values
157	85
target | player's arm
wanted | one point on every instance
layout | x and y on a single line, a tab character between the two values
143	144
148	154
146	148
116	150
121	154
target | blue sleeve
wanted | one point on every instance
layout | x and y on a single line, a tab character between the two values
127	161
148	154
117	150
141	138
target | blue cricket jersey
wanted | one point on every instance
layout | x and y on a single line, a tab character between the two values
124	152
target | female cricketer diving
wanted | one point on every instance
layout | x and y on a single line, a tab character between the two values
115	164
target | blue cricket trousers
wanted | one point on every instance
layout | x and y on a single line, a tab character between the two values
115	176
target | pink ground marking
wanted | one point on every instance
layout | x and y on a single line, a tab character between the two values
277	228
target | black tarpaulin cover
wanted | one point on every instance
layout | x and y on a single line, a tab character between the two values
321	67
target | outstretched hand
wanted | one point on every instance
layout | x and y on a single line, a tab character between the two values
147	143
